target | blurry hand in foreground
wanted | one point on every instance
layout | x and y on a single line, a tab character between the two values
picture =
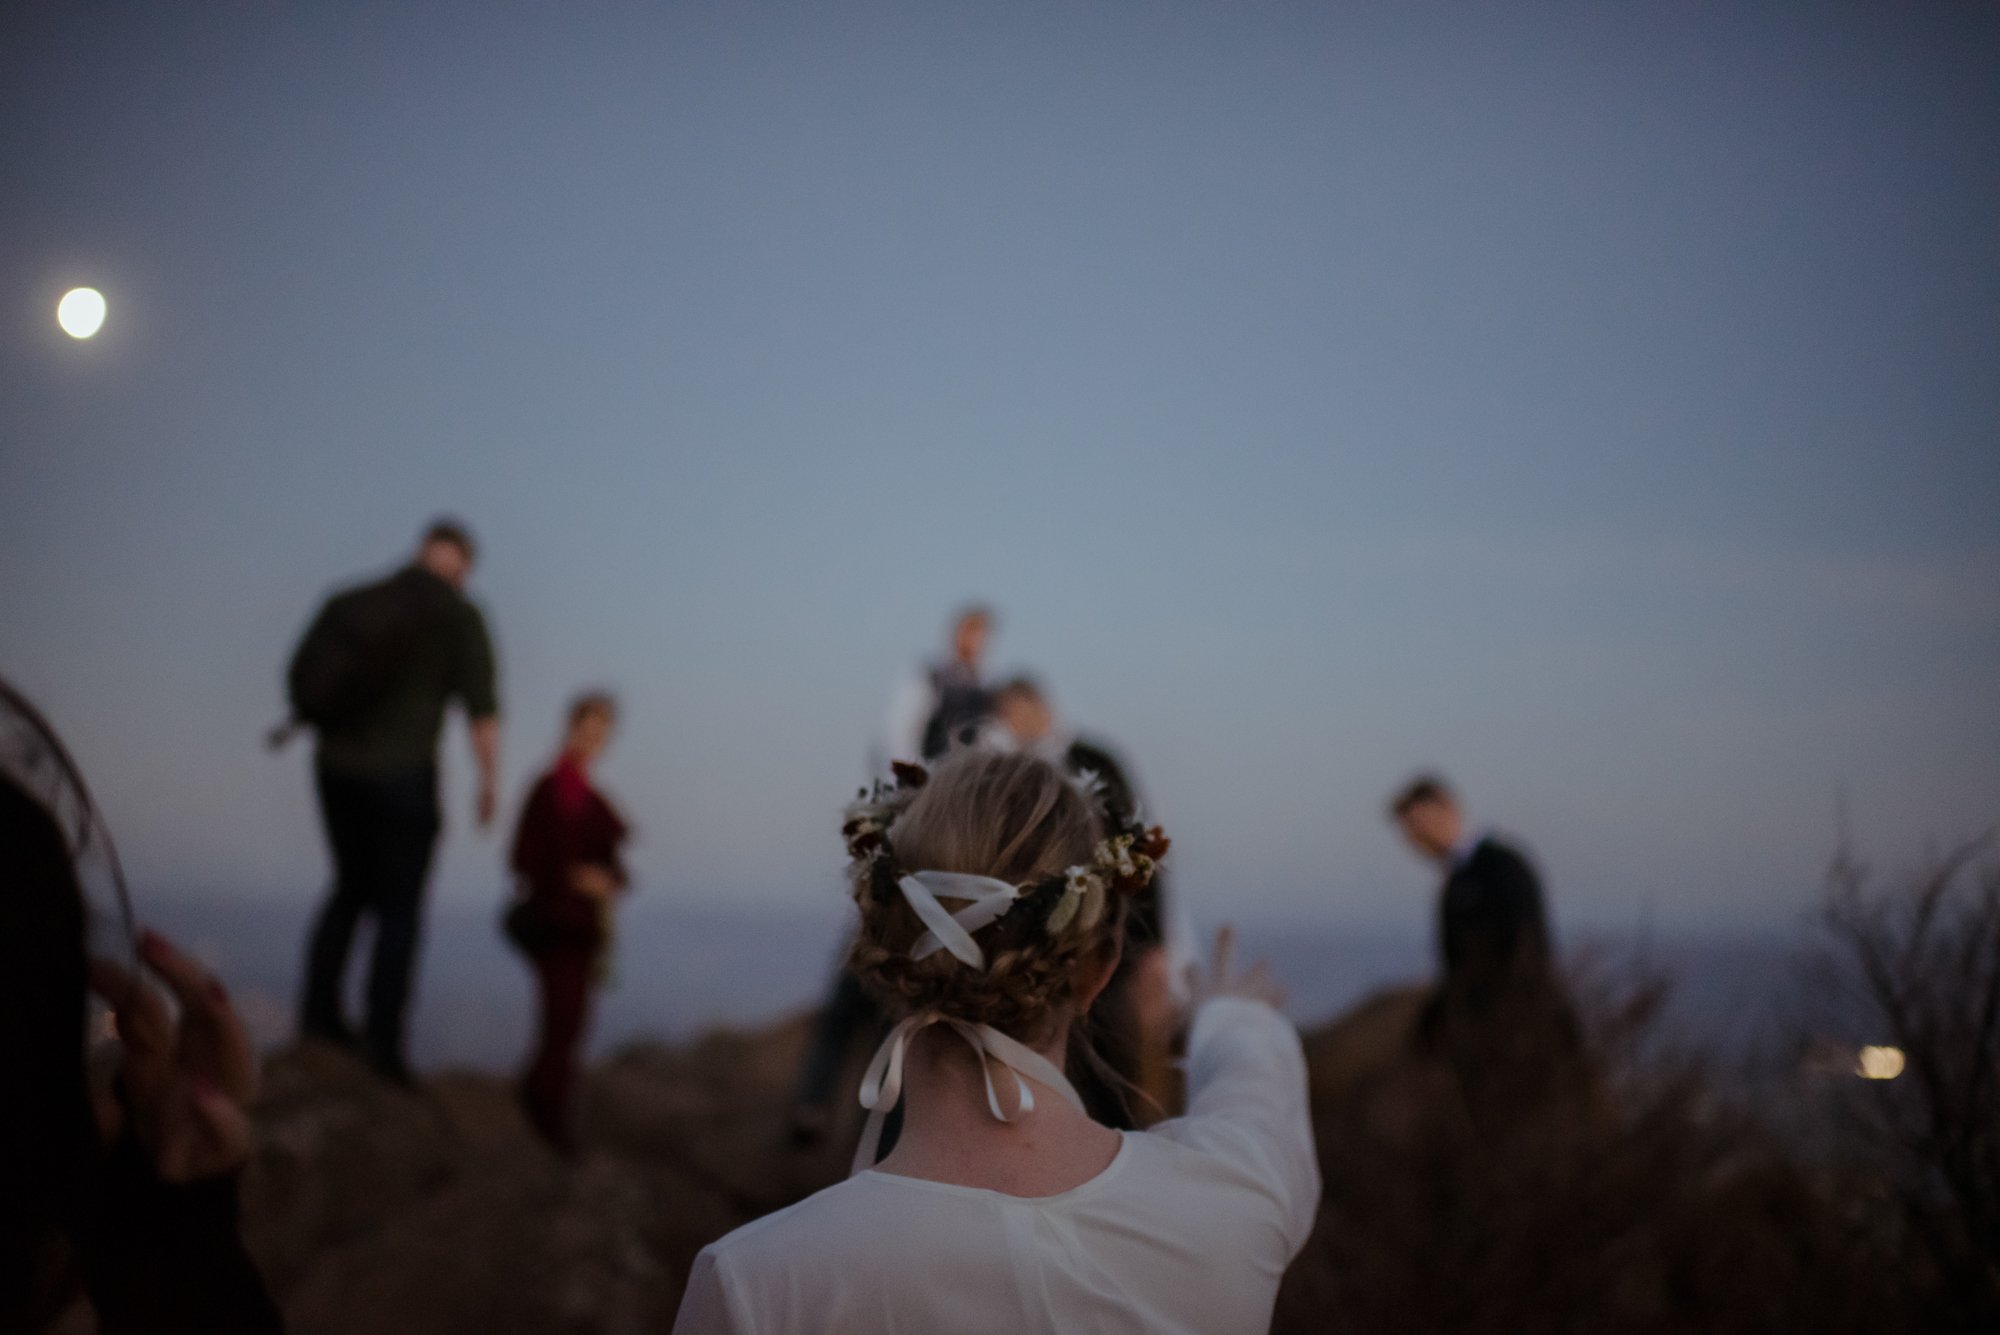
185	1083
1224	979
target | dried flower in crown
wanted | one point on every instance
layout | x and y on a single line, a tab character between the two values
1130	860
1079	885
866	821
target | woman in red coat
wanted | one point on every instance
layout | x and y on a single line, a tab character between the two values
568	871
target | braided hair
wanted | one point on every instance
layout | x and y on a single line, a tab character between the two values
1012	817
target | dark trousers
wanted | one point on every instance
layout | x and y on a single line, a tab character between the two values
382	830
563	974
849	1013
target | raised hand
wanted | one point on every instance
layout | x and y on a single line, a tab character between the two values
1223	979
185	1083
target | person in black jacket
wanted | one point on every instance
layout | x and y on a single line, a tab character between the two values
1499	1015
373	676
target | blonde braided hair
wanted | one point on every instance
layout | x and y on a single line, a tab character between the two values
1005	815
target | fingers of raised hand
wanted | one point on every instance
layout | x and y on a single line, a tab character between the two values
145	1027
213	1040
1223	970
201	1133
1261	981
188	980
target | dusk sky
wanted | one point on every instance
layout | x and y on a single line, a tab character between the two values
1600	403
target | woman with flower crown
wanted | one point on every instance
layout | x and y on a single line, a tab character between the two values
992	899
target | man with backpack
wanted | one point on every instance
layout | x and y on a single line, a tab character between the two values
373	677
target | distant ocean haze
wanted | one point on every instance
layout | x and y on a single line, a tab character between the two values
679	970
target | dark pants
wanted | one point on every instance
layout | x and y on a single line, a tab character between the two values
849	1012
382	830
564	975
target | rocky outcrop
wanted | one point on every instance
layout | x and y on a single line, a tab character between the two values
372	1207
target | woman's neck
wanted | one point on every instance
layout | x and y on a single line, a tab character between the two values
950	1135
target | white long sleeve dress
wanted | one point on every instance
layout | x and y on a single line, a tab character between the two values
1188	1229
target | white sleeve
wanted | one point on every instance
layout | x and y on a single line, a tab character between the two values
705	1306
1247	1101
909	711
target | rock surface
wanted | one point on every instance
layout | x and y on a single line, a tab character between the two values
374	1208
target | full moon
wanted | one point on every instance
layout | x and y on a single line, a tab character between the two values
81	312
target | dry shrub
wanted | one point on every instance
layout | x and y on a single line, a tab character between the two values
1649	1202
1921	958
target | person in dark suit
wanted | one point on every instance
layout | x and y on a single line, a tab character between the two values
1500	1015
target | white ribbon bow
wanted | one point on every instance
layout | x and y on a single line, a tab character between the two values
986	899
882	1086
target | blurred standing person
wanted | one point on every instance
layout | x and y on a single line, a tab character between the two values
566	861
373	677
1026	720
935	707
941	705
1132	1021
1500	1014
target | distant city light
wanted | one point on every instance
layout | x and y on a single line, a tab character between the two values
81	312
1875	1063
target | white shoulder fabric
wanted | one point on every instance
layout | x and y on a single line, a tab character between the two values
986	900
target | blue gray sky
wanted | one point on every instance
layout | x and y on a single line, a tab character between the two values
1596	402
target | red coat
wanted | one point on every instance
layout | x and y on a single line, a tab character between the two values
564	822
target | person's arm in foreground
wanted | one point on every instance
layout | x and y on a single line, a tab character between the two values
704	1303
162	1253
1247	1086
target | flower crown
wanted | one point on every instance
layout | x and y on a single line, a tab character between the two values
1124	862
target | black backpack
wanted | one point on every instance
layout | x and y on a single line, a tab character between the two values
356	647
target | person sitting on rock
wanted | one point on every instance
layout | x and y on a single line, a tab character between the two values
992	901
